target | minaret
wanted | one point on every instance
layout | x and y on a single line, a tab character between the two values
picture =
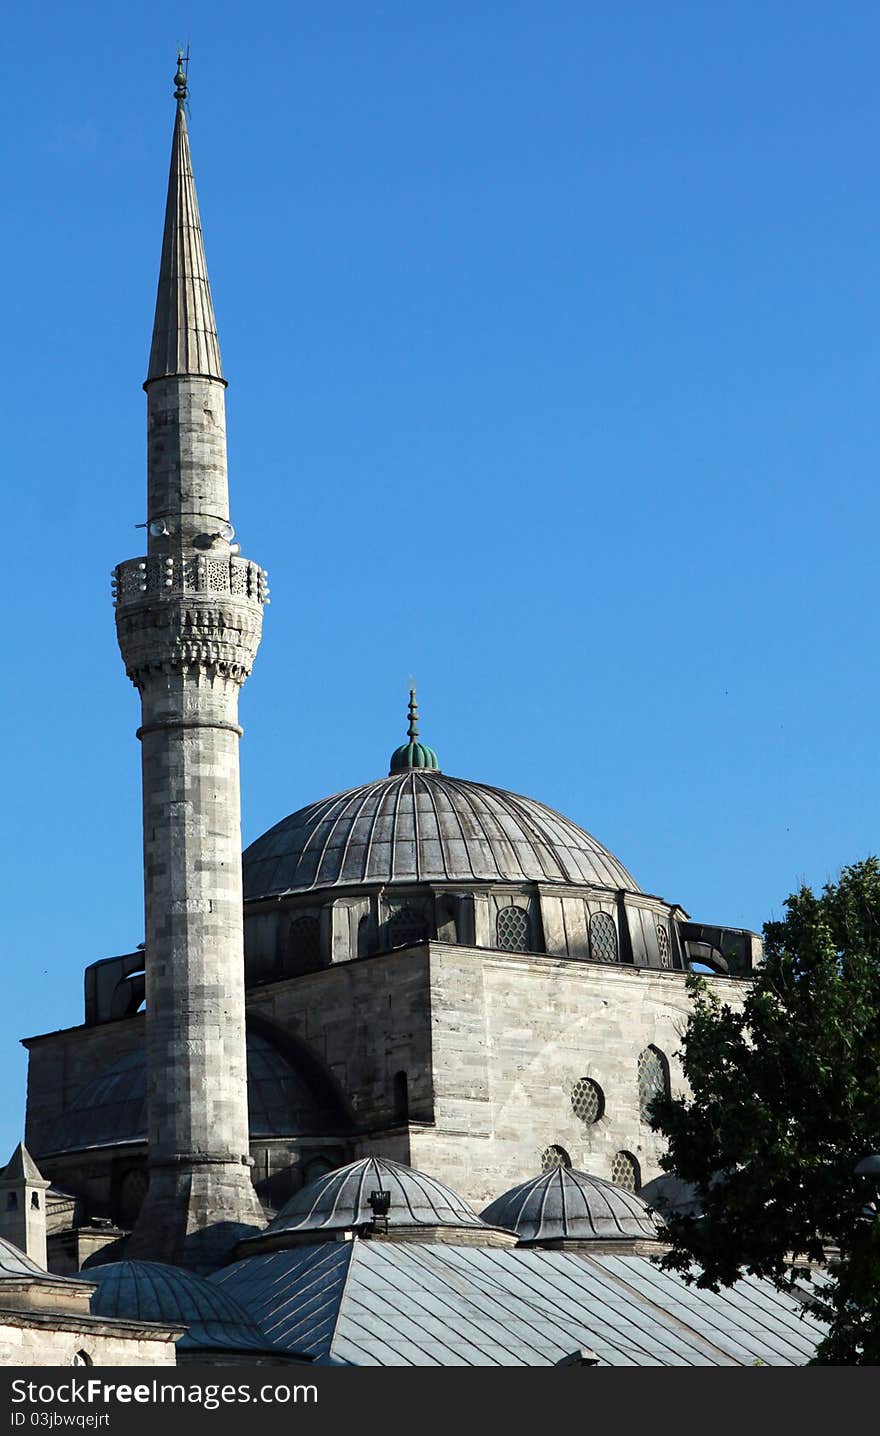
188	619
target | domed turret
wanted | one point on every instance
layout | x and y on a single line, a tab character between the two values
375	1196
563	1206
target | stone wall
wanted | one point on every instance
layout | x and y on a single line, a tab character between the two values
28	1339
511	1035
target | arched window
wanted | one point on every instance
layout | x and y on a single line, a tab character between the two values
401	1097
11	1202
82	1358
603	938
304	944
625	1172
554	1156
512	929
663	950
587	1100
408	925
132	1190
653	1075
35	1200
365	936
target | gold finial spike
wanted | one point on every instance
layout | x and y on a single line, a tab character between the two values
180	79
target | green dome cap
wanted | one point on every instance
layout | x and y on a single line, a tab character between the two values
413	754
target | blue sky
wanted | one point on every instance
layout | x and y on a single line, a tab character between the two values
551	333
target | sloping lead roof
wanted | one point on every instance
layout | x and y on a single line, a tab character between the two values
17	1266
367	1303
153	1291
339	1200
112	1107
422	826
565	1205
184	328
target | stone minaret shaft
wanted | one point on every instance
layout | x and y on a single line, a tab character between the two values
188	618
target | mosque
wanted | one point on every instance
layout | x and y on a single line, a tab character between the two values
409	1043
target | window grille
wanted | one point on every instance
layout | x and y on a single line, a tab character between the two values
587	1100
512	929
408	925
304	942
603	938
663	945
653	1077
625	1172
554	1156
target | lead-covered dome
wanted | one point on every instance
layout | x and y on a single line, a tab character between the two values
420	825
564	1205
340	1201
154	1291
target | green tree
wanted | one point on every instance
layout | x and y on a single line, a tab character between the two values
784	1100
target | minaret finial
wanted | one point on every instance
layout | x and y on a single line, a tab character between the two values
413	753
180	79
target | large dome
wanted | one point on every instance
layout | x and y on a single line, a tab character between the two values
422	826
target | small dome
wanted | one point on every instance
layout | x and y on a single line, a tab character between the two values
563	1205
154	1291
340	1201
413	755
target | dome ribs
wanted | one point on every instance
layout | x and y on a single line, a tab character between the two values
424	826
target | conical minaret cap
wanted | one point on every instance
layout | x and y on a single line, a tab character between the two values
184	329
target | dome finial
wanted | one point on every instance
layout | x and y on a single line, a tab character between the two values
413	754
180	79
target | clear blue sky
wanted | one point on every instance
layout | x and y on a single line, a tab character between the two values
552	339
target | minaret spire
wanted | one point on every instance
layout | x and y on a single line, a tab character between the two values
188	618
184	329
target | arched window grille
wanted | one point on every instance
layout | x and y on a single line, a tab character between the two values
663	949
304	943
625	1172
603	938
587	1100
512	929
554	1156
653	1077
408	925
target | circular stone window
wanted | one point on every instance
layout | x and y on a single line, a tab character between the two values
587	1100
554	1157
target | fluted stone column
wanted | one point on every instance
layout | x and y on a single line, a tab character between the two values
188	617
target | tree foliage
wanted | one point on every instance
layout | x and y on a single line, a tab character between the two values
784	1101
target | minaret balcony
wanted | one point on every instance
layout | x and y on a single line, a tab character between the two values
140	580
